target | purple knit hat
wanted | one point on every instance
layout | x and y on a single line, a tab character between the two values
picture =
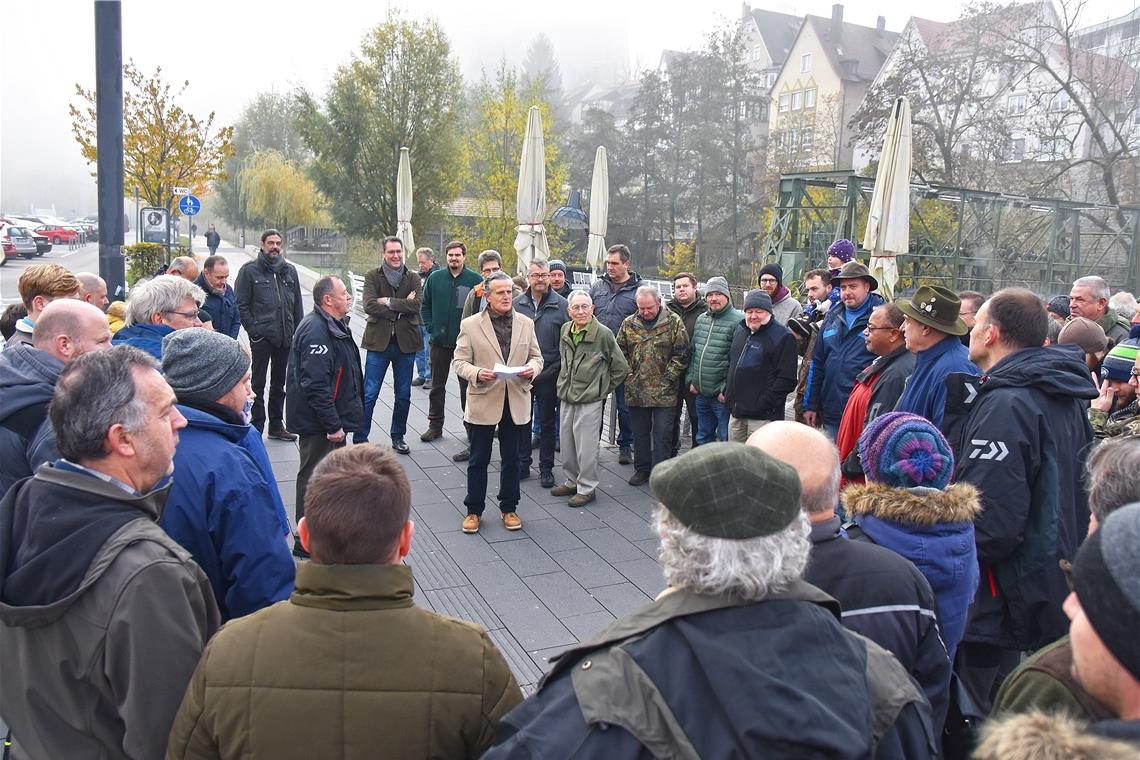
842	249
904	450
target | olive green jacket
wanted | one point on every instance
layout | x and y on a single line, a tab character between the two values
658	357
592	368
348	666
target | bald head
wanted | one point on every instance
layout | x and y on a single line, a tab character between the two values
812	455
68	328
92	289
184	267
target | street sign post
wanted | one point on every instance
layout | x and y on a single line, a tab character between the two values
189	205
182	191
154	225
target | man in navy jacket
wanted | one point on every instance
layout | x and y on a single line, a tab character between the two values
932	327
220	301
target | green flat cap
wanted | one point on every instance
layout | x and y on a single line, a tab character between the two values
728	490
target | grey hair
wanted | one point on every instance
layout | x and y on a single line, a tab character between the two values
579	294
164	293
180	263
94	392
1097	284
540	263
823	498
1112	468
489	255
649	290
1124	304
498	276
752	569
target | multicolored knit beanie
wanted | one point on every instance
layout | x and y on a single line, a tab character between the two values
904	450
842	249
1120	361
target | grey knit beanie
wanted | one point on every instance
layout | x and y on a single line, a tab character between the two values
758	299
717	285
202	365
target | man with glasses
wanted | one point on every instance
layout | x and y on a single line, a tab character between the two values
269	301
548	310
157	308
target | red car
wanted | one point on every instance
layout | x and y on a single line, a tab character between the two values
58	234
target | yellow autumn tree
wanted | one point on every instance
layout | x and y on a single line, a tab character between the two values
680	256
278	193
492	152
164	145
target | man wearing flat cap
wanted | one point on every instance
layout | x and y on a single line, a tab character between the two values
840	351
224	507
739	656
932	327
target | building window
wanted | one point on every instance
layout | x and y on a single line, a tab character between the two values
771	78
805	139
783	103
1015	104
797	100
809	98
805	63
780	139
1015	149
1052	149
1059	102
795	139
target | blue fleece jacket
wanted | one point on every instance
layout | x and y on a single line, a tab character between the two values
144	336
925	393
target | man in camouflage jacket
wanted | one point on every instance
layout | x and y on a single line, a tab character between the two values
656	346
1113	414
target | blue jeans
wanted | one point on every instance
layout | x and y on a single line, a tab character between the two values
423	366
536	419
712	420
375	368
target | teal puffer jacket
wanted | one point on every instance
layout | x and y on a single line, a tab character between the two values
712	338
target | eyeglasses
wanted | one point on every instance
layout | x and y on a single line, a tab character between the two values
538	276
581	307
868	328
1136	372
188	315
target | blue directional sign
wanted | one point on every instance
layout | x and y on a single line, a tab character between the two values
189	205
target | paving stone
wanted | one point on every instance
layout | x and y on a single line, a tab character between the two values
466	549
609	544
576	519
644	573
585	627
542	658
525	557
551	535
649	546
521	612
621	598
629	525
437	517
562	595
465	603
525	669
587	568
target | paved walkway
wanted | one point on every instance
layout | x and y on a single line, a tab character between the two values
559	580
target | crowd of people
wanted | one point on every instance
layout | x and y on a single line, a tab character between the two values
893	520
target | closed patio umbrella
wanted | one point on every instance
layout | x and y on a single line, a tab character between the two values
888	219
531	199
599	210
404	207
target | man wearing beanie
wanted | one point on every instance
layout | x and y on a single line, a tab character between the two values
932	327
1058	308
683	676
687	304
771	281
558	278
840	352
224	507
761	369
884	597
1116	411
708	364
1104	615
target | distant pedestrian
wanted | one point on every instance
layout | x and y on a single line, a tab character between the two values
349	655
96	653
325	399
497	335
392	298
425	257
269	301
213	240
592	365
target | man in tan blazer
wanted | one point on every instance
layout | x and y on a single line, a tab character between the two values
498	335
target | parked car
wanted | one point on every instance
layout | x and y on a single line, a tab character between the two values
18	240
43	243
58	233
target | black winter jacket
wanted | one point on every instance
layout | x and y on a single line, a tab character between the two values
761	371
885	598
611	307
1020	434
548	320
269	302
325	388
27	381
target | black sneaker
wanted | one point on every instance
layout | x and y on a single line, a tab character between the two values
418	382
546	479
462	456
524	474
639	479
400	447
625	455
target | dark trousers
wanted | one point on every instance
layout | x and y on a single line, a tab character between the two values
265	352
314	448
482	439
375	369
441	357
624	426
652	435
544	396
981	668
689	400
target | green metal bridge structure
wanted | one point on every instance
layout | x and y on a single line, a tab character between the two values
960	238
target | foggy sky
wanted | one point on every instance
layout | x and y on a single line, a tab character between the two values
232	50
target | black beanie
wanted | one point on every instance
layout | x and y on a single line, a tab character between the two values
773	269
